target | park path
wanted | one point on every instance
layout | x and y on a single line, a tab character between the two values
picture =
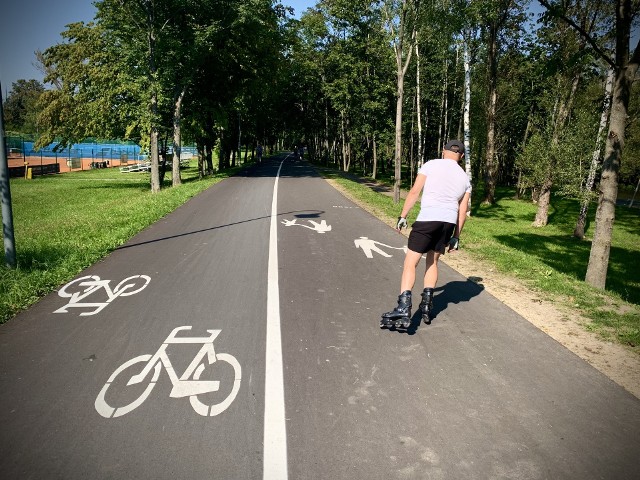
188	368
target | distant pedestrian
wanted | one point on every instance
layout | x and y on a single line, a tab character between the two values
259	152
445	197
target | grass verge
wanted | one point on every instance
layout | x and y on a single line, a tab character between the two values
548	260
65	223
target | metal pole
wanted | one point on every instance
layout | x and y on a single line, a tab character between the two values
7	211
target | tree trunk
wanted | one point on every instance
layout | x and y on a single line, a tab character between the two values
162	159
411	142
326	154
418	106
519	187
454	89
209	157
344	142
625	71
375	158
544	200
401	68
201	159
239	149
177	139
398	142
153	147
595	160
467	108
224	156
605	214
153	150
443	111
490	161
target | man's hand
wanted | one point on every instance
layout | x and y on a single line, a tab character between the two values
402	223
454	243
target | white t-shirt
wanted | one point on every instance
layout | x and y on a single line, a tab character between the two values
445	186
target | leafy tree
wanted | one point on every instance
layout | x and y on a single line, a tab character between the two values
20	108
630	166
401	22
625	64
570	62
587	187
89	100
502	21
146	66
340	70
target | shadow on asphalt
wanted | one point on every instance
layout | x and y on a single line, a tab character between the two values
295	213
453	292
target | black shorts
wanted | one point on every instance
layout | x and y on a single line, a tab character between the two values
428	236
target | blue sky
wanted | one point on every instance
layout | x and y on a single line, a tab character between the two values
30	25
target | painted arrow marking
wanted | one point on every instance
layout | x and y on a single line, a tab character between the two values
321	227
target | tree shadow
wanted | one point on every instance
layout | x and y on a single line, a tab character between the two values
310	214
570	256
494	211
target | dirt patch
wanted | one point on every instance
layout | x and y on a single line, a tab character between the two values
559	322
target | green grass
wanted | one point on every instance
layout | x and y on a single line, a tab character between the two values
548	260
65	223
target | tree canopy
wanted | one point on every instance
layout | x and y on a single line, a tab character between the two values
373	86
21	107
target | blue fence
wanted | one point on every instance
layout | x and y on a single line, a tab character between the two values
95	151
102	151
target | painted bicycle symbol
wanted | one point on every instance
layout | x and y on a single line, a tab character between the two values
188	385
80	288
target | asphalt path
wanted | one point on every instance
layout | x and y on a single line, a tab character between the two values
238	338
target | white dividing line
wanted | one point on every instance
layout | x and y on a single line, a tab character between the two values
275	430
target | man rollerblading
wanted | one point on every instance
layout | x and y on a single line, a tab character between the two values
445	191
399	316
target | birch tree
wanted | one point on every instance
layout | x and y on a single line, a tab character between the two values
572	61
467	38
419	105
624	63
595	159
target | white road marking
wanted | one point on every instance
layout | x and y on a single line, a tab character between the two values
321	227
275	431
188	385
82	287
368	246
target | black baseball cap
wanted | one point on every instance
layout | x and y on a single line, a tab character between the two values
455	146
